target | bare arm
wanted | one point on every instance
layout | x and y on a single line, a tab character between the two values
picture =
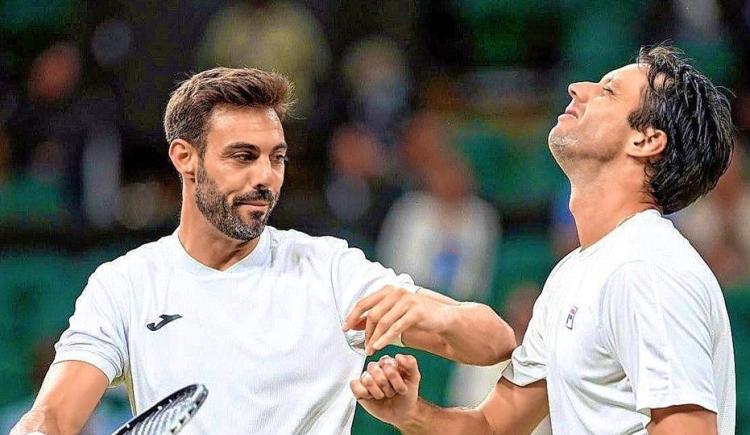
470	333
509	409
69	394
388	391
682	420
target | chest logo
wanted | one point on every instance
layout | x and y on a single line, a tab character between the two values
165	318
571	317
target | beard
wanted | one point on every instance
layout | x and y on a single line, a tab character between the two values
225	215
562	147
574	154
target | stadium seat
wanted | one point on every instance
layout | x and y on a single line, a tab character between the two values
738	307
523	257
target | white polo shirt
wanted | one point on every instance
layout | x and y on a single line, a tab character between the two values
636	321
264	336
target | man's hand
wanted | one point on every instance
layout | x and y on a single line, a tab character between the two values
466	332
389	388
387	313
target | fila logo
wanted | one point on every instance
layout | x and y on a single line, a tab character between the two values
571	317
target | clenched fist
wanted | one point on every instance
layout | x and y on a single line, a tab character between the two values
389	388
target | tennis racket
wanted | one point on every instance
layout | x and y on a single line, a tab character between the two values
168	416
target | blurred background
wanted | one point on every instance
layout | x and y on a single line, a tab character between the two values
420	137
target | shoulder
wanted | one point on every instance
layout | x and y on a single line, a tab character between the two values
651	235
137	263
652	261
653	239
660	285
302	244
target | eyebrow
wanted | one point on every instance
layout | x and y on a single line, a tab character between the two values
238	146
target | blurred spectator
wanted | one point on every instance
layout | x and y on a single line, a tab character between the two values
379	81
152	203
718	224
276	35
444	235
470	385
359	192
65	146
699	31
111	413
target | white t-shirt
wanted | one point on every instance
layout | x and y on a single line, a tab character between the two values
264	336
636	321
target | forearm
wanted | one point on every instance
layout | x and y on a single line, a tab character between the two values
38	420
470	333
477	335
430	419
70	392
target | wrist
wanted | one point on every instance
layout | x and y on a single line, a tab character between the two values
416	419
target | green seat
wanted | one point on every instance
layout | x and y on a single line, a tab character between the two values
515	174
36	303
738	307
523	257
26	202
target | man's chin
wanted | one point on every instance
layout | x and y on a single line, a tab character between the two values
247	234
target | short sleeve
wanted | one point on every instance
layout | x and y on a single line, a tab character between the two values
354	277
657	323
97	333
528	363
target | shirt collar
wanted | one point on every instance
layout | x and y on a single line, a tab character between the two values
256	258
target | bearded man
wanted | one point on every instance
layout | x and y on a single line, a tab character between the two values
273	322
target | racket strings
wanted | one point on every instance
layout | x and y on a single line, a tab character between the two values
167	418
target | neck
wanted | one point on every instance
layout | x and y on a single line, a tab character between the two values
600	208
205	243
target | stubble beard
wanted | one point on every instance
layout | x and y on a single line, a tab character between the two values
224	216
577	159
562	147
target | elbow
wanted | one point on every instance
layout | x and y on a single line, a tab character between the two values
500	351
500	344
503	343
507	344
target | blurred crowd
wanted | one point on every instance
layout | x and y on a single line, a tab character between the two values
419	135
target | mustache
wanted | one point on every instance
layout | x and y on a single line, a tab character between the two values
264	195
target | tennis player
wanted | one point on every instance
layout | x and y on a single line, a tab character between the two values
630	335
258	315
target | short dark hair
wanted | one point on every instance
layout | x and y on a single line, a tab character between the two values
696	117
191	104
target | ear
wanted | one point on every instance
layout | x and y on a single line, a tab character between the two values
647	144
185	158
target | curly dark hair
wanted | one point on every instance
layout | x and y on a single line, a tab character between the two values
696	117
190	105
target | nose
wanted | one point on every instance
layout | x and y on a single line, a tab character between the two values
581	91
572	90
262	174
